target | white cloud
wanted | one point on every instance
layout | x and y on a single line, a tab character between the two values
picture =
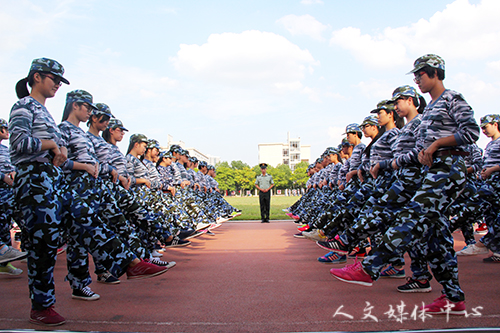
475	87
249	59
461	31
303	25
336	134
495	65
375	89
311	2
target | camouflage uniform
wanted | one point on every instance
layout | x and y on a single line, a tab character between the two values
48	205
425	218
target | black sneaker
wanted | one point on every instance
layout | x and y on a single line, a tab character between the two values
185	233
333	245
85	294
107	278
415	286
158	262
495	258
177	242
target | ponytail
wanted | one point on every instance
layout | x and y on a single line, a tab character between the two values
22	88
421	104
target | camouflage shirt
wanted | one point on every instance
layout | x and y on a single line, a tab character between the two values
382	150
166	176
5	165
103	153
80	148
30	122
404	149
153	174
448	115
118	160
492	154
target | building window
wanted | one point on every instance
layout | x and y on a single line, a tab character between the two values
294	145
285	161
285	152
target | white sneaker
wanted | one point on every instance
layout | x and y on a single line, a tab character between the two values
472	250
201	226
10	270
8	254
314	235
156	254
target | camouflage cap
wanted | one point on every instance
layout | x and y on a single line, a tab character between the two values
345	142
352	128
331	150
210	167
406	90
431	60
138	138
4	123
102	109
81	96
175	148
385	104
319	159
370	120
48	66
184	152
116	123
202	164
193	159
488	119
152	143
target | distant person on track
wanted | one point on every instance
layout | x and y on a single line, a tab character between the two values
264	183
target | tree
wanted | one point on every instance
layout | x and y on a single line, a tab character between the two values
299	177
225	177
244	179
239	165
281	176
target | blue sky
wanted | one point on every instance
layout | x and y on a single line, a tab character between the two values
224	76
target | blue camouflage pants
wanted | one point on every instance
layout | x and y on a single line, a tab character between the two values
48	207
425	219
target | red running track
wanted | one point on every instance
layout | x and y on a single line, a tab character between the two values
252	277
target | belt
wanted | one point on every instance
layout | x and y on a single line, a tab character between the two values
451	152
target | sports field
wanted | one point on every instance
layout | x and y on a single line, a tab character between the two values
251	211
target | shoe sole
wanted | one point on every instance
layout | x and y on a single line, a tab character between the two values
104	282
6	261
140	277
36	322
302	237
421	290
393	277
361	283
177	245
85	298
332	262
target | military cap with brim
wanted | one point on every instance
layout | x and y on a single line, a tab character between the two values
384	105
263	166
370	120
431	60
403	91
4	123
488	119
48	66
116	123
352	128
81	96
152	143
138	138
102	109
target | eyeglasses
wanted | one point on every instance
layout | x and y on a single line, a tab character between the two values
57	80
89	108
418	76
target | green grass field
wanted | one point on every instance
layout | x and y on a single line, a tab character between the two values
251	211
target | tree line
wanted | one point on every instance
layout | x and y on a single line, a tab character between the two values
239	176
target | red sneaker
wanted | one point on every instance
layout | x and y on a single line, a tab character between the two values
144	270
352	274
47	317
304	228
482	229
443	305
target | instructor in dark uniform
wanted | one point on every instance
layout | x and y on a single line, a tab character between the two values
264	184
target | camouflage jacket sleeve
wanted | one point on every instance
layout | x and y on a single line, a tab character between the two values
405	149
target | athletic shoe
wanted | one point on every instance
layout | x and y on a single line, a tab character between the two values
286	210
177	242
85	294
357	253
144	270
482	229
235	214
201	226
158	262
8	254
289	214
333	245
214	226
299	235
185	233
107	278
392	272
208	232
47	317
10	270
352	274
155	253
314	235
415	286
495	258
473	250
196	234
62	249
332	258
305	227
295	217
220	220
443	306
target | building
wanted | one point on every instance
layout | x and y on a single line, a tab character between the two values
290	153
210	159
